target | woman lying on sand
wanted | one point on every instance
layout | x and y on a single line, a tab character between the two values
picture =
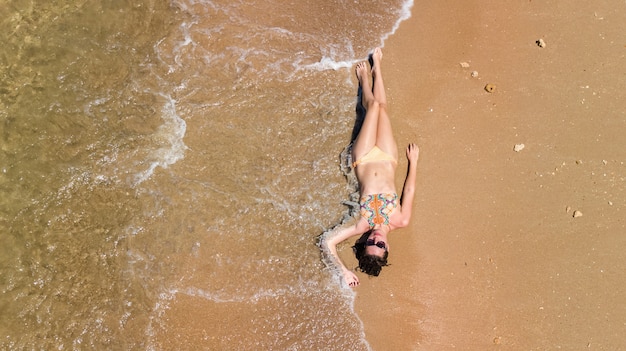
376	155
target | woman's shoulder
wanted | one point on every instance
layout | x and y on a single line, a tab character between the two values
362	225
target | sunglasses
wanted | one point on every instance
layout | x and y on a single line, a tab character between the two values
380	244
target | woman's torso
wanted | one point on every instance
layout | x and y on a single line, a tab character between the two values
376	177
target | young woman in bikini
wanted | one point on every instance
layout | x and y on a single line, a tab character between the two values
376	155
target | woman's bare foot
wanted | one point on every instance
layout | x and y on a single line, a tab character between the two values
377	56
366	88
379	88
361	73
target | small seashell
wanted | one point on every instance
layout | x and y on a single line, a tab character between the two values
490	88
464	64
519	147
474	74
577	214
541	43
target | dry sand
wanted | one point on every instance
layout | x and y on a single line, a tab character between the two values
495	258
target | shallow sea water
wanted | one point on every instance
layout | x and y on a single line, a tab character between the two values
156	156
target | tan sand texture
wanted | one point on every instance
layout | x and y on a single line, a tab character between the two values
518	235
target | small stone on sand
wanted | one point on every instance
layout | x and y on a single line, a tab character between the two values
577	214
490	88
541	43
464	64
474	74
519	147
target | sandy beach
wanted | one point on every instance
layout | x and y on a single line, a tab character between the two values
518	231
167	169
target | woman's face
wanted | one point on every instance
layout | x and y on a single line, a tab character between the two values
376	243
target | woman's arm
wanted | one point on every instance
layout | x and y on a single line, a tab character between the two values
408	192
329	246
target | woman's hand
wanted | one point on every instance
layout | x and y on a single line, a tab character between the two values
412	153
350	278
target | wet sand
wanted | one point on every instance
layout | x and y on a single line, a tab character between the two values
495	256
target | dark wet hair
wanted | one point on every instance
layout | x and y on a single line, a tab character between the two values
369	264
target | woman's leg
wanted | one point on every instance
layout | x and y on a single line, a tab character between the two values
384	137
366	139
379	87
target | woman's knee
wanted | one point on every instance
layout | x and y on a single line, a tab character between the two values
382	106
373	105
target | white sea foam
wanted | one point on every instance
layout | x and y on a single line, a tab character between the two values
329	62
170	134
404	14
